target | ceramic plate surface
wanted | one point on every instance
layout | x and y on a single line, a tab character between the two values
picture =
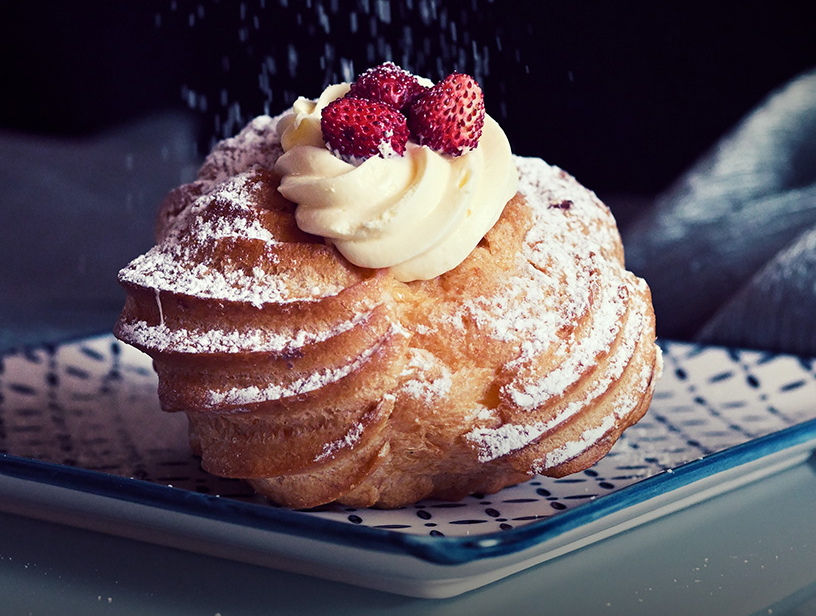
85	443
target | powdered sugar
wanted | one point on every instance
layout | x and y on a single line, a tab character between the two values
569	270
256	145
162	338
577	353
240	396
426	378
250	228
349	440
572	449
182	262
564	275
493	443
570	306
521	312
163	270
586	220
229	178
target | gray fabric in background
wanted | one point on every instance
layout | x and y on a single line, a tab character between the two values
728	250
73	212
776	308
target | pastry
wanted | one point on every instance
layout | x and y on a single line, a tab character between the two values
411	313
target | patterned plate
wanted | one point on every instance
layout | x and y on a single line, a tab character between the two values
82	419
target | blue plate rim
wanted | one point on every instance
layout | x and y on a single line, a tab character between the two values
434	549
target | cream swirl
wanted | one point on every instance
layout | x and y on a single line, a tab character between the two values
420	214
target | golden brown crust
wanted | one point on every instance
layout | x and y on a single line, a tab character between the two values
320	381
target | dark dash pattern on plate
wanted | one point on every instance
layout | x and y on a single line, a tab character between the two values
92	404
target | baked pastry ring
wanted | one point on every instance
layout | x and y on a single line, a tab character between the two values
318	381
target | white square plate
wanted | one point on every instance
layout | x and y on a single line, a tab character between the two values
84	443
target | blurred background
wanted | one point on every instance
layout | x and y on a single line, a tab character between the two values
696	124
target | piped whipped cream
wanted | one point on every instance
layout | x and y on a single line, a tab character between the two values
420	214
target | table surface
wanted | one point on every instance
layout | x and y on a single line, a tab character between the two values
750	551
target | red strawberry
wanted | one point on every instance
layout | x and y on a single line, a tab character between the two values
356	129
389	84
449	117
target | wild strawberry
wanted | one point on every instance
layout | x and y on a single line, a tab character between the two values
449	117
356	129
389	84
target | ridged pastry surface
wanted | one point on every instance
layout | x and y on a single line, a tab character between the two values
320	381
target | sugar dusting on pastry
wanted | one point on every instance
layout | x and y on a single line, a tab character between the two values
318	380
